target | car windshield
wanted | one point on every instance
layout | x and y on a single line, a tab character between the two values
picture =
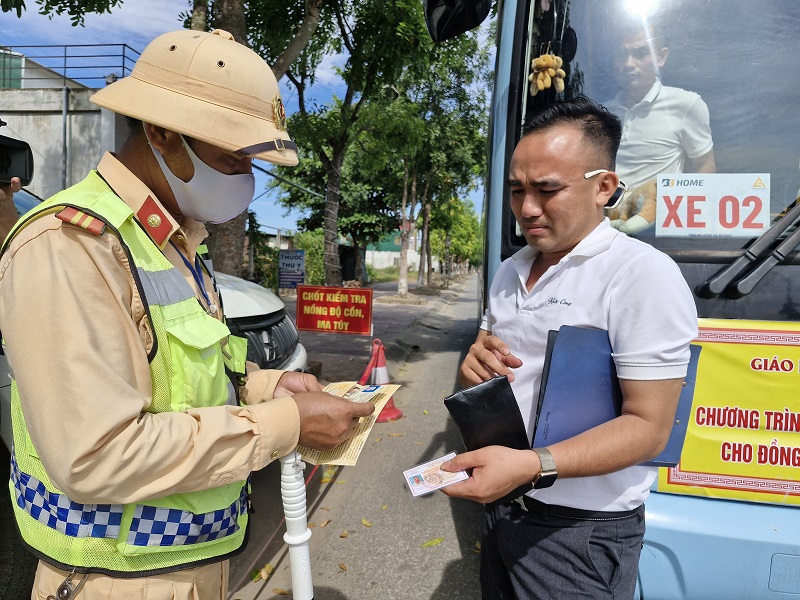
25	201
710	147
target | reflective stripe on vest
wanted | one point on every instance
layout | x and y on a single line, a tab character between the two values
151	525
162	288
61	513
156	526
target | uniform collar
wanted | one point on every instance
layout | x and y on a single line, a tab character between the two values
156	220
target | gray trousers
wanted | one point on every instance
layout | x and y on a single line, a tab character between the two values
538	553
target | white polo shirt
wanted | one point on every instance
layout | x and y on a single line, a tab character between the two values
609	281
660	132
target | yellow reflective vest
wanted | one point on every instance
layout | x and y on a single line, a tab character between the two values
188	368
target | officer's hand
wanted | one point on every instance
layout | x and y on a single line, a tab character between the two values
326	421
496	471
8	212
488	357
7	190
294	382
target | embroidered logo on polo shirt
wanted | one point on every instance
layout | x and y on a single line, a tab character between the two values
559	301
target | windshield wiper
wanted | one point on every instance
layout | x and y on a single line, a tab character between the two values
722	279
746	284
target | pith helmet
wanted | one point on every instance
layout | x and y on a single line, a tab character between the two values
209	87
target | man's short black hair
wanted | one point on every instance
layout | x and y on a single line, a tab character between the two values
134	126
600	128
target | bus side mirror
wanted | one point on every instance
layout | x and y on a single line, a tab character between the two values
447	19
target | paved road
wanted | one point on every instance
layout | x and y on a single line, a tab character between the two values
425	344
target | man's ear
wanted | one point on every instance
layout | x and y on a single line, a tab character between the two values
162	139
607	184
663	54
170	144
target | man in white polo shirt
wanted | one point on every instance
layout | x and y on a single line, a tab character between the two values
578	533
664	129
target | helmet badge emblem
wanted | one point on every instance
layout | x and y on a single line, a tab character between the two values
279	113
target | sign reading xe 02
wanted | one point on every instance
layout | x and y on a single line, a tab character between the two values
334	309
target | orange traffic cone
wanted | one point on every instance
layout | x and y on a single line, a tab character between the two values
376	373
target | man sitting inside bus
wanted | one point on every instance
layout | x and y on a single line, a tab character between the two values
578	533
664	129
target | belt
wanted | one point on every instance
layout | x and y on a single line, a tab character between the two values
565	512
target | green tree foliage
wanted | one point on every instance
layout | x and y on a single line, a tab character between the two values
76	9
424	137
264	256
380	39
313	242
455	222
418	138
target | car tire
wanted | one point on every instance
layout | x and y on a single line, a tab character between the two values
17	565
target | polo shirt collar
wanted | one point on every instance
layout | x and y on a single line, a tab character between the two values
652	93
622	99
598	240
147	209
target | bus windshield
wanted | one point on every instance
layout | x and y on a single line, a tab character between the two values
710	149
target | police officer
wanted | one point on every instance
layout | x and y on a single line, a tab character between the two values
136	421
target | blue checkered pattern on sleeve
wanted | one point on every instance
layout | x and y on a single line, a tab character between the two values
61	513
158	526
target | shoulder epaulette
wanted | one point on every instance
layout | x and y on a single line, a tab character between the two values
83	220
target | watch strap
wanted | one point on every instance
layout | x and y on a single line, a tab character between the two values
549	472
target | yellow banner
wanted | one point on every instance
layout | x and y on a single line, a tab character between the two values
743	438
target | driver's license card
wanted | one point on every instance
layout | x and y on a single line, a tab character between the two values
428	477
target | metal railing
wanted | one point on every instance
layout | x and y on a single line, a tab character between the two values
79	65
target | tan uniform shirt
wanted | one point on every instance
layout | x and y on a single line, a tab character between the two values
77	340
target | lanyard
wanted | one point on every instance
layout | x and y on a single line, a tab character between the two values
197	275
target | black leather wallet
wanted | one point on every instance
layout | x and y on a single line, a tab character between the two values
487	414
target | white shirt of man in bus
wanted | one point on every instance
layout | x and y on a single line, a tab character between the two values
665	130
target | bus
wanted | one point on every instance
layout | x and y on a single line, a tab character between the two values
708	94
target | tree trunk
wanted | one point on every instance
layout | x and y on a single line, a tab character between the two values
359	265
402	283
199	16
423	247
301	38
430	259
226	240
333	268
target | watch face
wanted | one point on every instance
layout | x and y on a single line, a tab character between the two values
545	480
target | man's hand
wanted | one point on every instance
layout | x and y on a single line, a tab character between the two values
326	420
496	471
640	200
8	212
488	356
294	382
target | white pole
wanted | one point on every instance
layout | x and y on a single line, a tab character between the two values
293	493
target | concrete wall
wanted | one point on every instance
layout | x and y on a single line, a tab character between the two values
382	259
36	116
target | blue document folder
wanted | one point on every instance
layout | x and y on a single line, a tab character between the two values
580	390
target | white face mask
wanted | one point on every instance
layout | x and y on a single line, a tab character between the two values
209	196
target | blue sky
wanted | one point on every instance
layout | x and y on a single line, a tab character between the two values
137	22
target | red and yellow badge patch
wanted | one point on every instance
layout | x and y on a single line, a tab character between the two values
85	221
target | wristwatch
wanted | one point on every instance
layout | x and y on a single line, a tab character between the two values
549	473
